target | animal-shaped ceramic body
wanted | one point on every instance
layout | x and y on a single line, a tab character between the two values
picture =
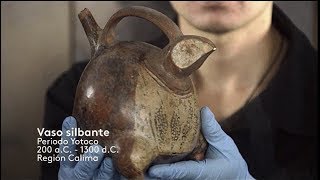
142	94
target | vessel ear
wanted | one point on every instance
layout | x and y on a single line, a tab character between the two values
188	53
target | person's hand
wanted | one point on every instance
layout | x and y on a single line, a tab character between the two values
222	161
73	170
85	170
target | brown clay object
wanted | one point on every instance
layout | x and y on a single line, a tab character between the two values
142	94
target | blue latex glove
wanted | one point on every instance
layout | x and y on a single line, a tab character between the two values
102	169
222	160
73	170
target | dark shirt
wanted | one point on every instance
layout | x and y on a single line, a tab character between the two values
276	133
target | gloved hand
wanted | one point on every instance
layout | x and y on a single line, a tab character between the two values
73	170
85	170
222	160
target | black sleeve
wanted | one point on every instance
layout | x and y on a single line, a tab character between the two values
59	105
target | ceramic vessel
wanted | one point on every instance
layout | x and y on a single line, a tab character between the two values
142	94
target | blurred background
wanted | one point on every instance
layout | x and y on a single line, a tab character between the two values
40	40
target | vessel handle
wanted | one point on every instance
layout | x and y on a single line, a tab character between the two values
169	28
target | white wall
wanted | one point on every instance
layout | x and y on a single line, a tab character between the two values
304	15
35	49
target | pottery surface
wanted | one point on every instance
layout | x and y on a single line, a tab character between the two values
142	94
